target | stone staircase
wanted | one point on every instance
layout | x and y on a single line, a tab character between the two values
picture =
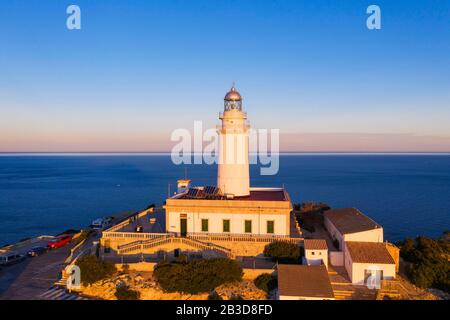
62	281
344	290
141	245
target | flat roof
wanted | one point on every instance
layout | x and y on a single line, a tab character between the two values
350	220
369	252
256	194
304	281
315	244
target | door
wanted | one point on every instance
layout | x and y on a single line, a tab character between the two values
183	227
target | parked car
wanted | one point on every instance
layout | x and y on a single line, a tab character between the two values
101	223
59	241
11	258
36	251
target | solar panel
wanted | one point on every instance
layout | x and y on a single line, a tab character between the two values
211	190
192	192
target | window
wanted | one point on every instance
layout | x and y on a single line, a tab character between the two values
313	253
248	226
270	226
226	225
204	225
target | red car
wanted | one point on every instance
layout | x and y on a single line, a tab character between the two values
59	241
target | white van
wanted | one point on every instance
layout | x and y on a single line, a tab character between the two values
101	223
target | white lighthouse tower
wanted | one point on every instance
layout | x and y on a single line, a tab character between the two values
233	170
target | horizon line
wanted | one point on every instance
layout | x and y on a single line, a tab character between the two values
164	153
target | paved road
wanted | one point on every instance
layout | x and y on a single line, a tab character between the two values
31	278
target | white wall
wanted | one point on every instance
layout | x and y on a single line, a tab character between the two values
335	234
336	258
375	235
215	224
358	271
316	257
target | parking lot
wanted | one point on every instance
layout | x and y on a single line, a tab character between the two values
33	276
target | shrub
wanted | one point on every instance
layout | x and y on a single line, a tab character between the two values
265	282
196	276
283	251
93	269
125	293
306	207
429	266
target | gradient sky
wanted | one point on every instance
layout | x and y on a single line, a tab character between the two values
140	69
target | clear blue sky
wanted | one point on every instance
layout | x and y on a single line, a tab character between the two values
139	69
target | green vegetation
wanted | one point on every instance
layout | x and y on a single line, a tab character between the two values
93	269
310	213
125	293
429	261
283	252
306	207
214	296
196	276
265	282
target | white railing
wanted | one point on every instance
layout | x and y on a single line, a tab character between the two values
208	237
132	235
127	221
240	237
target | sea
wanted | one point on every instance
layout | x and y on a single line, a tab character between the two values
45	194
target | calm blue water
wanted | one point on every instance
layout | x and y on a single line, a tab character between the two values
407	194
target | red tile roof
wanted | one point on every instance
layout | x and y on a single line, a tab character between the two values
315	244
369	252
304	281
350	220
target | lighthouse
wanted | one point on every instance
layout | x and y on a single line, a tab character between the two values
233	176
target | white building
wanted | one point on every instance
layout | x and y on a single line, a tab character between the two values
316	252
232	207
232	214
350	224
364	260
362	251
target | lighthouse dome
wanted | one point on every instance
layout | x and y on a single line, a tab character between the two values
233	95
